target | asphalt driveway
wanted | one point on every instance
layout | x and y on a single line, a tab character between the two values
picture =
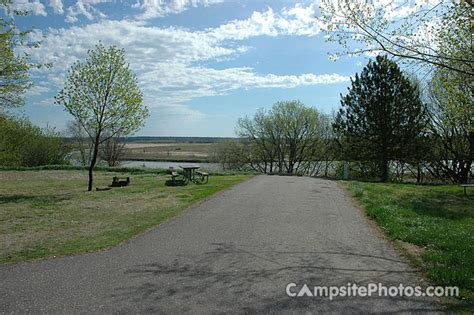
235	252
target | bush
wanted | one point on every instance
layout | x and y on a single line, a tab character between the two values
23	144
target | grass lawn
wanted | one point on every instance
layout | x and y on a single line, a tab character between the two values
439	220
49	213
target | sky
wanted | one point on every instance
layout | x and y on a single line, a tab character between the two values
201	64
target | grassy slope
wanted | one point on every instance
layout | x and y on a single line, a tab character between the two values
46	213
438	219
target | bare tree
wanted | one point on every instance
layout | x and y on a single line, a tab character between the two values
283	139
325	156
112	148
81	141
262	139
231	154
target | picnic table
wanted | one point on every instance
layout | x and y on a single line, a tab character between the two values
465	186
191	173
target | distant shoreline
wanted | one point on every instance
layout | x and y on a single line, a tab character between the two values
170	140
165	160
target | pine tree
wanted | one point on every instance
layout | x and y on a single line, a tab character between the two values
381	116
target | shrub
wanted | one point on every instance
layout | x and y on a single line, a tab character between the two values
23	144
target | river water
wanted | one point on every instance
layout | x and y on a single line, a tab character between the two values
167	165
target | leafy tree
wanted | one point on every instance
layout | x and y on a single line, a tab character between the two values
283	139
381	117
451	96
12	139
451	127
362	26
14	68
456	87
103	94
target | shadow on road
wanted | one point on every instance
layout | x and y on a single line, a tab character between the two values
247	279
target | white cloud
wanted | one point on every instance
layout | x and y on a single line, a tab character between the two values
166	59
85	8
159	8
57	6
185	83
34	7
298	20
47	102
399	9
36	90
301	20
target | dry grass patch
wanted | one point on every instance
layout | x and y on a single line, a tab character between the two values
169	151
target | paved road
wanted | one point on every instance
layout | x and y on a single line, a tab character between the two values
233	253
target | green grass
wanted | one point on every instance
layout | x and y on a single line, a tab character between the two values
438	219
47	213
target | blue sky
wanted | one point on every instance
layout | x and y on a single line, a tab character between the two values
201	64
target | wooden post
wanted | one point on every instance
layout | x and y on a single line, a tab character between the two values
345	174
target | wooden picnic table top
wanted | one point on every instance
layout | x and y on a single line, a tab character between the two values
464	186
189	167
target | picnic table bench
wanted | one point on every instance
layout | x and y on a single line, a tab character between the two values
120	182
465	186
204	177
178	177
174	175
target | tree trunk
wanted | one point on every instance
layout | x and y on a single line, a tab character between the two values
471	152
465	166
471	144
464	172
418	175
384	176
93	161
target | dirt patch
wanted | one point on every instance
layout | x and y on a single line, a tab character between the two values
413	251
